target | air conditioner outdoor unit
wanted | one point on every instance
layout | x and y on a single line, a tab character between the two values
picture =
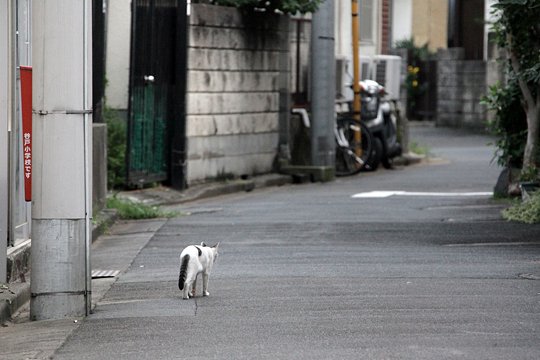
366	68
342	81
387	71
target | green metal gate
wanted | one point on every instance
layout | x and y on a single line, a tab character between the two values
157	86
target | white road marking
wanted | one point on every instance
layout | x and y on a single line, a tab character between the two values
517	243
98	274
385	194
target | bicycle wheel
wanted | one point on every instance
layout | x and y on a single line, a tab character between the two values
347	161
377	155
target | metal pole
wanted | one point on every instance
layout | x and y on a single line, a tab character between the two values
356	74
87	109
284	89
5	116
323	86
178	140
61	40
298	60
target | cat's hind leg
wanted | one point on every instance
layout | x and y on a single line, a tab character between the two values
205	284
185	291
193	288
190	286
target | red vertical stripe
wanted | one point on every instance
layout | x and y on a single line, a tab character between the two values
26	104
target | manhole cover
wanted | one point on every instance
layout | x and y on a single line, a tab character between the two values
99	274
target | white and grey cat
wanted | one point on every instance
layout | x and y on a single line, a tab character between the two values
196	259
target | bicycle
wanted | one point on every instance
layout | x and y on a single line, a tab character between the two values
347	161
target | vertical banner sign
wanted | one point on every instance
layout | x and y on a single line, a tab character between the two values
26	110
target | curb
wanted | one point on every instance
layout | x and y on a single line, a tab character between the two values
103	221
18	294
409	159
162	196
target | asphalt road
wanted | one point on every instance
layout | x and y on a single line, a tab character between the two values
310	272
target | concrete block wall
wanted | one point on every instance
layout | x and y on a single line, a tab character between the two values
461	85
233	92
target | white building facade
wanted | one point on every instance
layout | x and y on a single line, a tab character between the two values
15	50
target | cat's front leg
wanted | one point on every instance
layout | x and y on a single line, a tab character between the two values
205	285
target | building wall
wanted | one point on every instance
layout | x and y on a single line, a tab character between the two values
233	92
342	29
370	44
118	52
430	23
489	18
385	27
401	20
21	42
461	85
4	120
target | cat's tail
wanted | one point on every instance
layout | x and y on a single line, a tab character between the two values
183	272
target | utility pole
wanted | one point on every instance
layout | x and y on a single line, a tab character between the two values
61	208
323	87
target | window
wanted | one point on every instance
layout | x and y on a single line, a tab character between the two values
366	20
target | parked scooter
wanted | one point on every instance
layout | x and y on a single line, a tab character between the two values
380	116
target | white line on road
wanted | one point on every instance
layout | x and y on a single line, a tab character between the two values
517	243
385	194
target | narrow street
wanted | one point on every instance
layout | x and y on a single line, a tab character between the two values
213	122
311	272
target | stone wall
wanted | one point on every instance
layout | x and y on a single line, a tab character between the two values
461	85
233	92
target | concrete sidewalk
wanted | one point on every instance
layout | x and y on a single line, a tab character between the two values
21	338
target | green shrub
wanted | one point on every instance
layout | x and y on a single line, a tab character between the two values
418	149
415	82
509	124
131	210
116	149
525	212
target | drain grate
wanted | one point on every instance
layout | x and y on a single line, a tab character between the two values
99	274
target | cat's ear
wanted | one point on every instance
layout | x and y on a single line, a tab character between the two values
216	246
203	244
